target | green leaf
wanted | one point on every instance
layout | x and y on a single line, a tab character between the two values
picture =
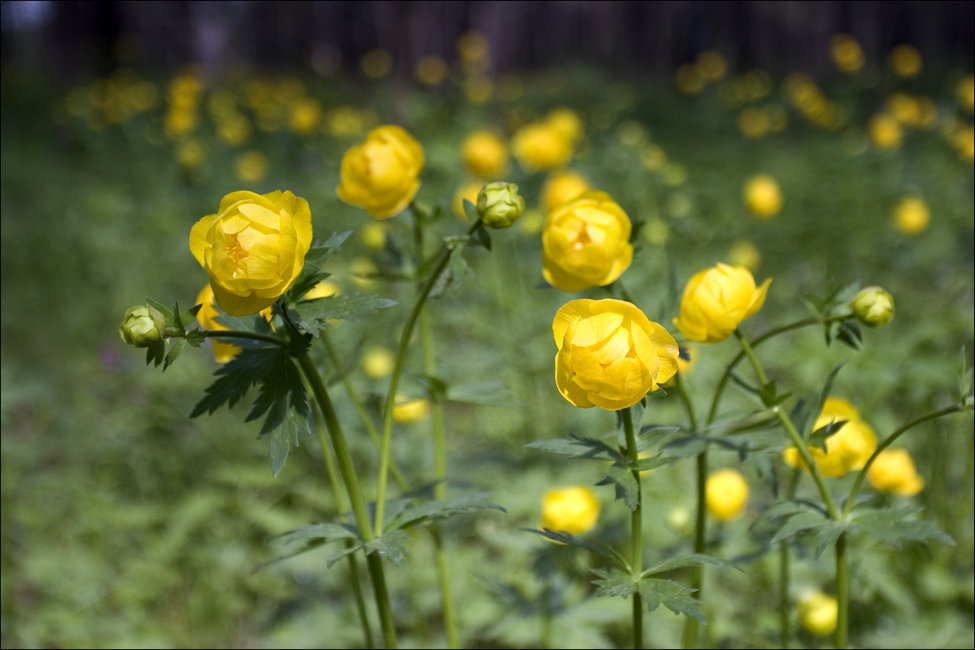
850	334
625	483
485	393
170	319
481	237
694	559
827	534
255	323
349	550
783	509
677	598
189	316
797	524
578	447
564	537
651	462
613	583
235	379
310	314
471	211
327	532
817	407
389	547
281	391
155	352
770	396
174	351
283	436
196	338
431	510
652	435
318	254
819	437
893	526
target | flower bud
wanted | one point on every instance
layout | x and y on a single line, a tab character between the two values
499	204
574	510
139	328
873	307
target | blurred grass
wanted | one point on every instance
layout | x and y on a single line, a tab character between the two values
126	524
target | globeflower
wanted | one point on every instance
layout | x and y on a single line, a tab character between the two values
500	205
561	188
485	154
894	471
717	300
566	121
139	328
610	355
726	494
873	306
911	216
763	196
573	510
381	174
586	243
906	61
253	248
847	449
818	613
885	131
541	145
408	411
846	53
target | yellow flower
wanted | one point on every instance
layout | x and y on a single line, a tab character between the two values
378	362
466	191
408	411
846	53
610	355
689	79
586	243
362	272
323	289
846	450
885	131
906	61
818	613
653	157
179	121
763	196
873	306
191	154
566	121
373	235
206	317
253	248
304	116
712	65
540	145
574	510
912	216
744	253
233	129
685	365
376	64
485	154
965	90
531	222
754	123
431	70
894	471
561	188
726	494
717	300
381	173
251	166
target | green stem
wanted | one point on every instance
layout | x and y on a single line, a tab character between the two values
858	482
341	504
842	593
254	336
360	408
700	524
358	503
636	528
394	379
785	558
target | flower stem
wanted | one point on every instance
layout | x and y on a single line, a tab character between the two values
394	379
254	336
785	559
358	503
842	593
636	528
794	434
700	524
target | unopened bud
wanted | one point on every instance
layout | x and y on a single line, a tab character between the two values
873	306
499	204
139	328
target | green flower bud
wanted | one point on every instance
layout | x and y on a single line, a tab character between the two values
873	306
139	328
499	204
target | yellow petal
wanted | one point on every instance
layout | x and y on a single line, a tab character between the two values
198	237
759	298
559	278
568	314
236	305
243	196
569	389
224	352
596	329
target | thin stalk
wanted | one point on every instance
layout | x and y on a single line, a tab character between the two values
858	482
358	503
785	559
342	505
842	593
790	428
254	336
394	379
700	524
636	529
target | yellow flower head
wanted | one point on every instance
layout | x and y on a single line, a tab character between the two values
408	411
566	121
251	166
754	123
885	131
905	60
846	53
610	355
873	306
574	510
846	450
717	300
468	191
378	362
818	613
304	116
373	235
561	188
253	248
894	471
712	65
540	145
912	216
431	70
233	129
726	494
586	243
485	154
381	174
763	196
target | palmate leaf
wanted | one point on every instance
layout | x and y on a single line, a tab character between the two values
614	583
389	546
426	512
785	509
677	598
310	315
283	436
235	378
578	447
281	392
564	537
318	254
325	532
819	437
894	526
798	523
621	477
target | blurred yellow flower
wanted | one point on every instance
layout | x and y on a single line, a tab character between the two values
679	519
233	129
885	131
656	232
485	154
206	317
894	471
408	411
846	53
818	613
179	121
191	153
965	91
712	65
478	89
531	222
378	362
253	248
744	253
560	188
304	116
346	121
472	46
846	450
911	216
763	196
466	191
610	355
717	300
431	70
362	271
586	243
323	289
689	79
373	235
574	510
376	64
726	494
653	157
381	173
905	60
539	146
754	123
251	166
567	122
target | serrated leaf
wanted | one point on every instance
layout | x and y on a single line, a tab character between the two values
564	537
677	598
282	391
318	254
174	351
431	510
458	267
893	526
782	509
485	393
797	524
652	435
481	237
310	315
155	352
817	407
652	462
285	435
471	211
613	583
196	338
625	483
389	547
849	333
578	447
819	437
827	534
235	378
256	323
694	559
349	550
189	316
326	532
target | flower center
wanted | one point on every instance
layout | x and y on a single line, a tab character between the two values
236	252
